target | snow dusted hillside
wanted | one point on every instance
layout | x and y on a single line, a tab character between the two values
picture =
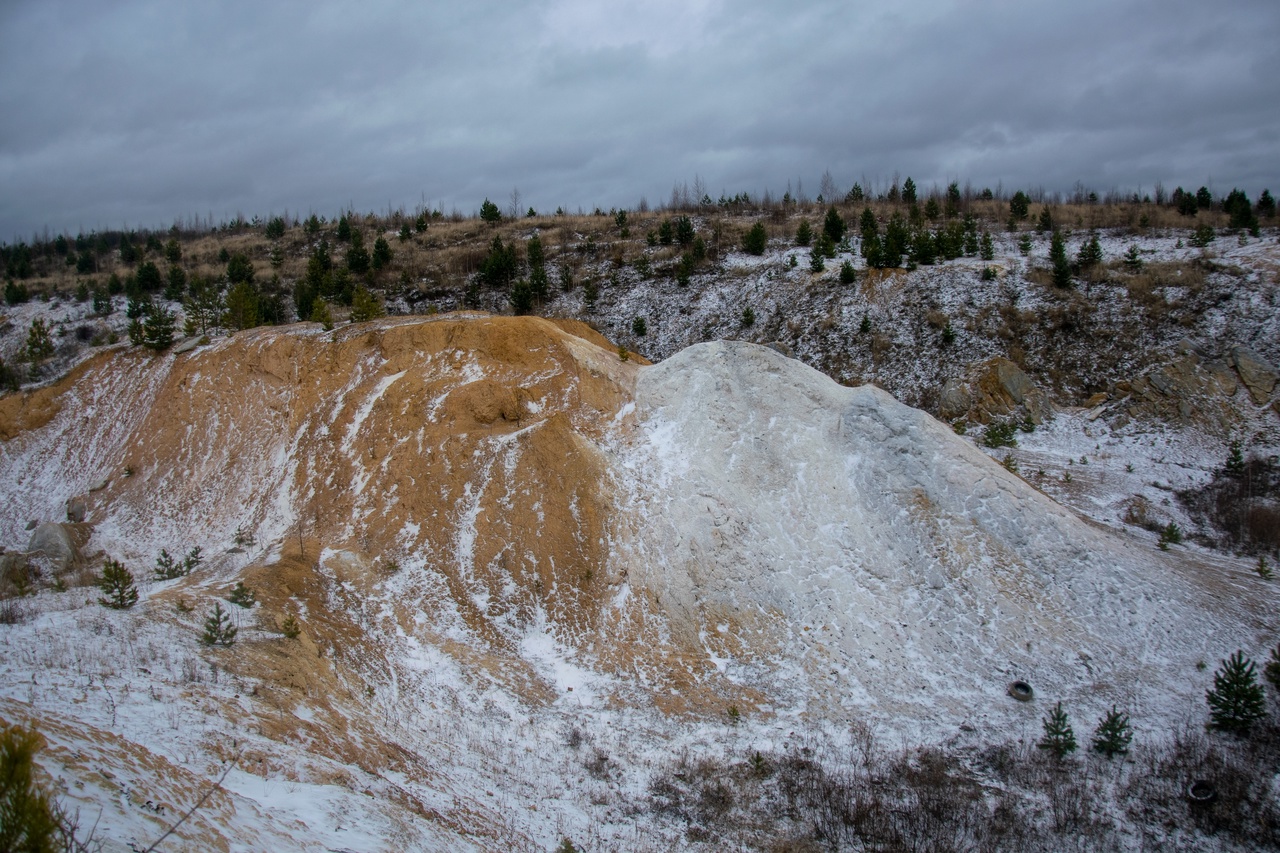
530	576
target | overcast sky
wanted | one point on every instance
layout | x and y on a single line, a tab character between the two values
135	113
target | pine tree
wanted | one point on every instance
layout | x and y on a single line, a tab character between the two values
1018	205
834	226
365	305
848	275
39	342
116	583
218	630
1024	245
489	212
908	194
344	227
358	256
1058	258
30	818
1113	734
987	250
242	596
1090	253
1045	223
381	253
1263	570
1236	701
521	297
804	234
157	330
756	241
290	628
1266	205
1272	669
1235	460
1058	736
320	314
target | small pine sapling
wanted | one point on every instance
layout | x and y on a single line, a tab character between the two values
748	316
218	630
290	628
1058	738
116	583
1263	568
1170	535
848	275
1114	734
242	596
1237	700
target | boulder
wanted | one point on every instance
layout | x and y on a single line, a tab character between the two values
56	544
1257	375
955	400
1003	389
186	345
76	510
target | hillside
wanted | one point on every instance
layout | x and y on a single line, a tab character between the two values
530	577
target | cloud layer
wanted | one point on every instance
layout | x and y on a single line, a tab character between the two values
141	113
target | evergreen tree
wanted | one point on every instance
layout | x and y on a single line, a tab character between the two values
176	289
358	256
1058	736
242	596
987	249
804	234
908	194
344	228
684	230
665	232
148	277
240	269
855	194
897	240
816	263
290	628
489	212
834	226
953	200
365	305
1090	253
381	253
157	330
242	307
218	630
924	248
30	818
116	583
320	314
521	297
931	209
1272	669
1236	701
848	275
1266	206
1045	223
500	266
870	231
1019	205
1113	734
1202	236
757	240
1133	258
39	342
1204	199
1058	259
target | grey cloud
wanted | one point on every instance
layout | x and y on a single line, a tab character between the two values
142	112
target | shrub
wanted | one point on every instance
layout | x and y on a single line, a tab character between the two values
218	630
1236	701
116	583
